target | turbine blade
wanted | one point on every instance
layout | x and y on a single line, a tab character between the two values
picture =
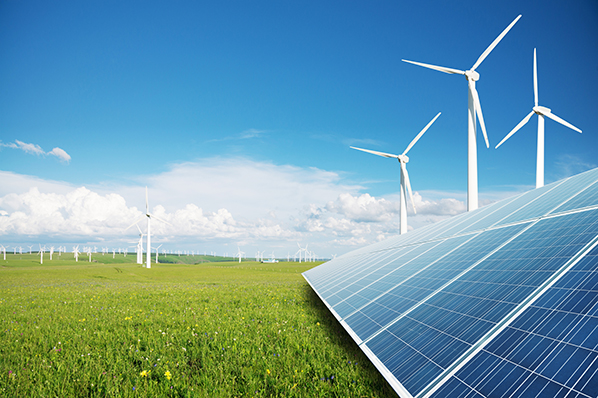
438	68
478	110
494	43
386	155
146	202
521	124
535	80
138	228
159	219
561	121
420	134
408	184
136	221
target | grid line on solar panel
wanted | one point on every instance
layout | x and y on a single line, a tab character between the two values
586	198
394	267
577	223
456	277
557	196
332	278
510	318
556	320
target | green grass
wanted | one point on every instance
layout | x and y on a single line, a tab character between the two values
113	328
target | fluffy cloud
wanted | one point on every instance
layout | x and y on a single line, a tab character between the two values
214	204
61	154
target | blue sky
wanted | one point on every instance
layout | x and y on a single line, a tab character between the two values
251	107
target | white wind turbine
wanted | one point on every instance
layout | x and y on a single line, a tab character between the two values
149	236
541	111
140	246
403	159
474	108
240	253
4	251
76	253
157	250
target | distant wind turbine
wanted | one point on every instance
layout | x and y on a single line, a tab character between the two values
157	250
403	159
541	111
474	107
149	236
240	253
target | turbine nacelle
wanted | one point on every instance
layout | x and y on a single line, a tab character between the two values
541	110
403	158
472	75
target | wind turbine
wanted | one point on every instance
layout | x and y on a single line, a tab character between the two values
403	159
76	252
149	236
41	254
157	250
541	111
4	251
140	246
474	108
240	253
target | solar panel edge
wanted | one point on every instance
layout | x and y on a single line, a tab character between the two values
338	318
509	319
392	380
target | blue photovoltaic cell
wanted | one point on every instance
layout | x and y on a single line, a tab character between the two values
549	351
420	302
459	315
588	197
556	196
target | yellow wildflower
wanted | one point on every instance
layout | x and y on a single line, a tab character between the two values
168	375
144	373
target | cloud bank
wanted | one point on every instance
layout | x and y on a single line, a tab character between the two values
211	205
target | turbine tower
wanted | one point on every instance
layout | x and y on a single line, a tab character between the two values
474	108
541	111
149	236
403	159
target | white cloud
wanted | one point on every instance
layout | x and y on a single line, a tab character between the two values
214	204
61	154
35	149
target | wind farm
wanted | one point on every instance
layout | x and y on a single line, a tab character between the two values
270	262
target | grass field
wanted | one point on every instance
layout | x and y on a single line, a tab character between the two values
113	328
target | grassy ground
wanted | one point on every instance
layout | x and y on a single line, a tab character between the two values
113	328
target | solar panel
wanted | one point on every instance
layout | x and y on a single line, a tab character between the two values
499	302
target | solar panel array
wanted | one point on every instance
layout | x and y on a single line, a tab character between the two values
499	302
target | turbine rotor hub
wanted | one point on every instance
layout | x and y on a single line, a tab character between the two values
472	75
403	158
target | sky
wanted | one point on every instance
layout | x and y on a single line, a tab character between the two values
239	116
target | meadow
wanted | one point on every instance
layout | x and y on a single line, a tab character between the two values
179	329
